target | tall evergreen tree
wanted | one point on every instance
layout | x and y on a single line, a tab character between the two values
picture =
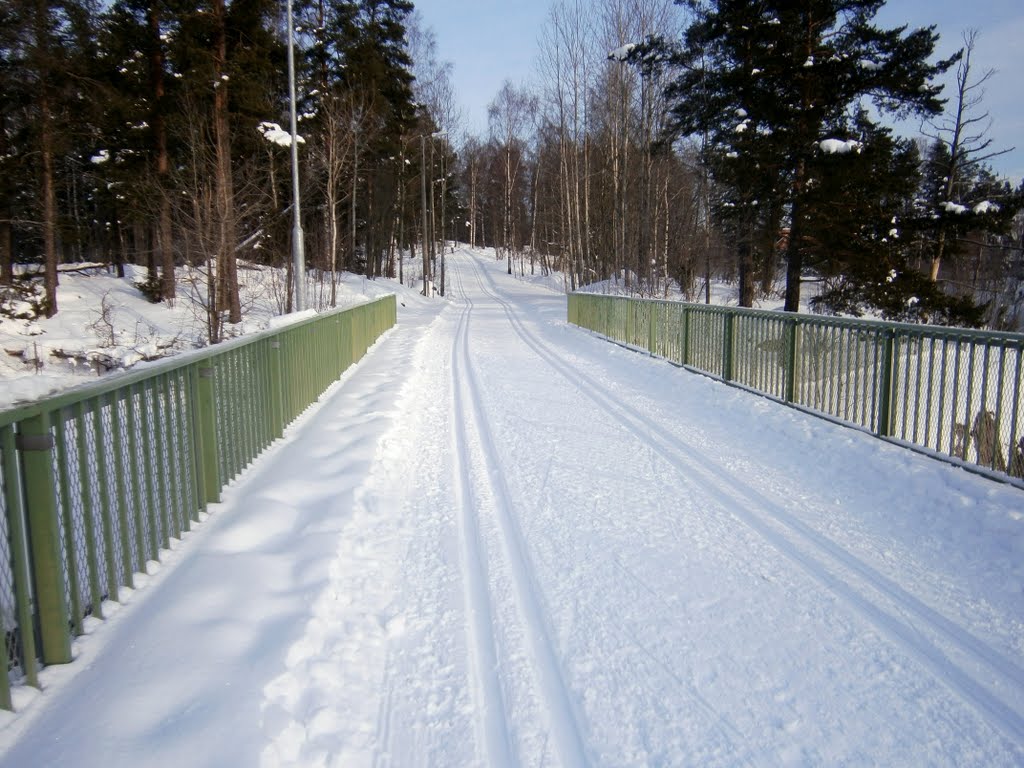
230	60
135	157
52	42
362	109
795	69
11	119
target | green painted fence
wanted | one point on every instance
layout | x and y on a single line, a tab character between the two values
952	393
97	481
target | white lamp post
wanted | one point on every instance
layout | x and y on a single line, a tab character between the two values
298	254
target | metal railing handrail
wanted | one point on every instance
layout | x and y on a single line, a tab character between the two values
118	379
844	322
98	479
951	393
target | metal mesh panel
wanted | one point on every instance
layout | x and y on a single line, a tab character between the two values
257	402
71	520
706	337
13	647
221	398
112	552
245	403
94	541
838	372
144	532
162	461
186	441
234	424
961	398
128	500
172	457
153	470
956	392
762	353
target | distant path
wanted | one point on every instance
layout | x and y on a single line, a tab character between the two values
502	541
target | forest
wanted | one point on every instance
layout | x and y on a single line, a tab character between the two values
662	146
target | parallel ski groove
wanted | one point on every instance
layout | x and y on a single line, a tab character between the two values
486	687
566	732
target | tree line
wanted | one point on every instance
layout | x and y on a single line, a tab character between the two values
751	142
148	132
662	143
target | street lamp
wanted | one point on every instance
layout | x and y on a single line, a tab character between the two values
298	255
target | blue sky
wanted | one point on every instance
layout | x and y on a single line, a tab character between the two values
491	40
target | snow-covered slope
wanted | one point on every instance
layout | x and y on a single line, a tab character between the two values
106	324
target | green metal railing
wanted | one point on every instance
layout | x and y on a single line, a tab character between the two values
98	480
955	394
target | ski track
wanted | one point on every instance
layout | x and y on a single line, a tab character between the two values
562	717
486	686
820	557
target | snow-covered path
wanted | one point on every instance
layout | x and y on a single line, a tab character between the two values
501	541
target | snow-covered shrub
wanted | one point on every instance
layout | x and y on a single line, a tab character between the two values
22	301
152	288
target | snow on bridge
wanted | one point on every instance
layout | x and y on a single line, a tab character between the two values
501	541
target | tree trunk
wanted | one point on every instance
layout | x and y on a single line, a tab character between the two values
473	173
352	209
48	201
507	225
6	231
164	243
227	266
746	273
794	249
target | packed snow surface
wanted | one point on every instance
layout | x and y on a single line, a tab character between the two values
502	541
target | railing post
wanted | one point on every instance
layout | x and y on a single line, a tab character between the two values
19	550
35	443
276	394
727	346
652	335
884	416
792	339
685	346
207	464
630	321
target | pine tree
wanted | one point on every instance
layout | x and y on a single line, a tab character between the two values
50	44
358	67
795	69
136	147
231	63
11	121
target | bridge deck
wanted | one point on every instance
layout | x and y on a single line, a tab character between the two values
502	541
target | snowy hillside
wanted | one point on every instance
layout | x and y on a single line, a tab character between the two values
106	324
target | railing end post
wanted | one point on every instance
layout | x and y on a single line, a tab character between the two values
885	392
791	344
35	443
